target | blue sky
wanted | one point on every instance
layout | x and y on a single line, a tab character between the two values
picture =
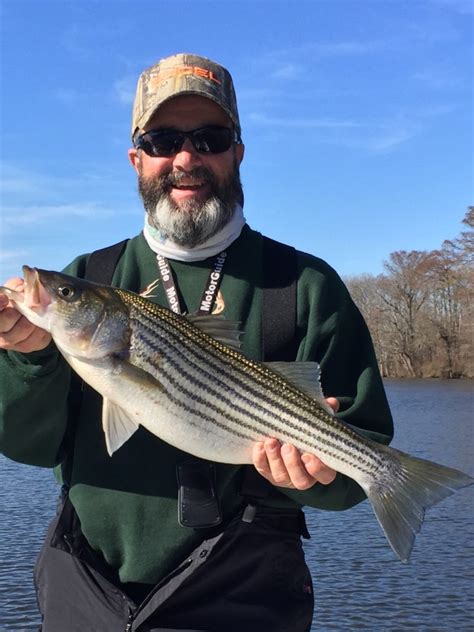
356	116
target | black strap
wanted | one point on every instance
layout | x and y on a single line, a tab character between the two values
210	291
100	268
279	337
101	264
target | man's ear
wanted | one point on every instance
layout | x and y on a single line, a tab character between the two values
239	152
134	158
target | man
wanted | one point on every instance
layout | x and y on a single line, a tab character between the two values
129	549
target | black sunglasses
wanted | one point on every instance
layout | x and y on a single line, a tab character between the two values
212	139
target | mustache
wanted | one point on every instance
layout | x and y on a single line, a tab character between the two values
199	175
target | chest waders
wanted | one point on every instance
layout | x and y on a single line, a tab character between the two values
247	575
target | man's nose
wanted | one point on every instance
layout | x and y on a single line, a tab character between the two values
187	157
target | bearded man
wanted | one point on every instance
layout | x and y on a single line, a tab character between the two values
150	539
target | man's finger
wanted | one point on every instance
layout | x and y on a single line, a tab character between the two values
17	284
299	476
334	403
316	468
277	466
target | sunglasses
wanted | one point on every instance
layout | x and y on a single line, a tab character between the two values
212	139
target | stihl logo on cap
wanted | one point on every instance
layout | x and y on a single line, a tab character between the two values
165	74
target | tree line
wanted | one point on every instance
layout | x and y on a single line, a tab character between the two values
420	311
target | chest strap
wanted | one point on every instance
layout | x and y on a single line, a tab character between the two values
279	333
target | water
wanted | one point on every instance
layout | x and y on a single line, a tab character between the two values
27	500
359	584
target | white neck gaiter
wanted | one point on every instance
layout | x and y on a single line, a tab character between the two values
213	246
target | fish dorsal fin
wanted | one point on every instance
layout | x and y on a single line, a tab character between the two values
117	424
306	376
226	331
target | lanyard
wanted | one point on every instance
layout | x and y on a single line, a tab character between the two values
194	474
210	291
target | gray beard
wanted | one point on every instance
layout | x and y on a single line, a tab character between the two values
193	222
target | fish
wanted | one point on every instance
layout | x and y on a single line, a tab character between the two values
184	379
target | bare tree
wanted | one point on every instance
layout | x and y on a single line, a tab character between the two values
421	311
448	293
364	291
464	244
404	291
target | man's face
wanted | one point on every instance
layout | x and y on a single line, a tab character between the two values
189	196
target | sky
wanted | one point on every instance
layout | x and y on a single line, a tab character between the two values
356	119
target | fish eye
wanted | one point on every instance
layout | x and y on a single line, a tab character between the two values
67	292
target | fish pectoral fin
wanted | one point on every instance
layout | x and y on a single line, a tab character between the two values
225	331
306	376
117	424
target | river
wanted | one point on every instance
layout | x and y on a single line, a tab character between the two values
358	582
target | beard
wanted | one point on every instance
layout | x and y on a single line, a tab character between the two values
192	222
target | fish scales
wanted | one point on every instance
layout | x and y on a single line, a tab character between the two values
321	437
157	369
276	416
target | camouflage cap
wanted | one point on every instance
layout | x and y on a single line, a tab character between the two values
183	74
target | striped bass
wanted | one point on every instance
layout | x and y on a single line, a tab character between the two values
185	380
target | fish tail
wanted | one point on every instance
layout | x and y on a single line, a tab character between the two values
401	496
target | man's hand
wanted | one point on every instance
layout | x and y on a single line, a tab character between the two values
284	466
16	332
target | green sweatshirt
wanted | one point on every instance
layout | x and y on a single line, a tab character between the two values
127	503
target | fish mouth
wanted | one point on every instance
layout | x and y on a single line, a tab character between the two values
36	296
32	287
